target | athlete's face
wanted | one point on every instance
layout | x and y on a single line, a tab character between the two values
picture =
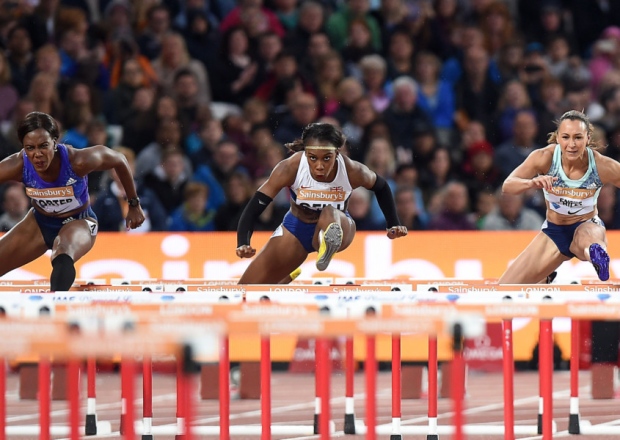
321	160
39	147
573	137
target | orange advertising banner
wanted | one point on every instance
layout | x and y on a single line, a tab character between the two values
422	255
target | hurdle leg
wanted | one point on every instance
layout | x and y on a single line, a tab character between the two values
180	400
147	397
2	398
349	403
508	367
224	373
573	417
127	385
265	387
371	387
73	388
318	365
396	388
323	348
90	425
458	381
546	372
432	389
44	398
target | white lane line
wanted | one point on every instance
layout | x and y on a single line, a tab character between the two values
104	406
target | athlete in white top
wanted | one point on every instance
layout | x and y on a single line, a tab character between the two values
570	172
320	180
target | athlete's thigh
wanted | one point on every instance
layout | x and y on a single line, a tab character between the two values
586	234
278	258
348	231
539	259
75	239
22	244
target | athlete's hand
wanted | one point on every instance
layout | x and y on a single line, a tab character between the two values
245	251
135	217
396	231
544	182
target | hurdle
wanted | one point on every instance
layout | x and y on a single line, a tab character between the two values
449	307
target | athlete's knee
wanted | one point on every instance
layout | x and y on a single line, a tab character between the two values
63	273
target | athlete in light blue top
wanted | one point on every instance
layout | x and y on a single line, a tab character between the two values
55	177
571	173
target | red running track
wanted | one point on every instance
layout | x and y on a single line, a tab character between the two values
293	403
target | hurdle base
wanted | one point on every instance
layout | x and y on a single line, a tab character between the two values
234	430
147	436
470	429
396	437
349	424
588	428
539	423
316	424
432	437
573	424
90	425
104	428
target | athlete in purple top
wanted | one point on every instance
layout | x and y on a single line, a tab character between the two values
55	177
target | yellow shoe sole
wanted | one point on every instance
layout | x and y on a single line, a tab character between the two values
329	243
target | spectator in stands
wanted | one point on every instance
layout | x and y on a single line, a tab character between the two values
512	99
285	71
339	22
9	129
141	123
358	45
435	96
45	96
226	161
8	93
349	91
15	205
239	190
287	13
157	25
120	98
169	179
359	209
608	208
511	153
363	114
80	109
310	22
454	209
512	215
329	75
404	116
391	16
173	58
304	111
111	205
439	171
407	208
201	34
486	202
42	23
408	175
373	71
497	26
194	215
186	95
168	135
236	77
210	134
476	92
20	58
400	55
269	46
252	8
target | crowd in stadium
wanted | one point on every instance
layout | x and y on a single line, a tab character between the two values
442	98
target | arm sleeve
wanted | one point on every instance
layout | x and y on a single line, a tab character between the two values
252	211
386	202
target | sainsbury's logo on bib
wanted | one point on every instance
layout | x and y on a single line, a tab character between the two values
335	194
50	193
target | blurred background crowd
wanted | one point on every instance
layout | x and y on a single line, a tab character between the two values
443	98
